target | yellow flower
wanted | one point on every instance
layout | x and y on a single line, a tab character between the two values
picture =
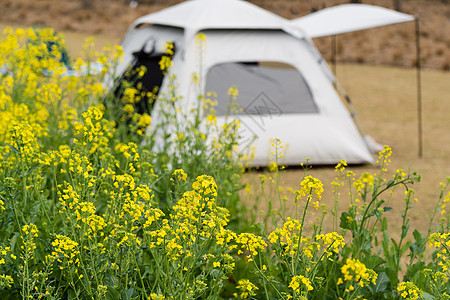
310	186
154	296
251	243
331	242
299	282
246	288
409	290
356	271
180	174
233	92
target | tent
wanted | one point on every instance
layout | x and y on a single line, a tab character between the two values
285	88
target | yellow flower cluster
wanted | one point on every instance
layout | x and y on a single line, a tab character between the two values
437	240
288	236
331	242
93	130
365	183
6	281
155	296
278	153
384	158
233	92
441	241
166	60
30	230
251	243
180	175
246	289
409	290
24	140
65	248
4	251
355	271
29	233
299	282
196	218
445	202
310	186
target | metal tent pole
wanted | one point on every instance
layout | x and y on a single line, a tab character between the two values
419	88
334	53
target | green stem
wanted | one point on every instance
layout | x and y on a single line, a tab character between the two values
267	279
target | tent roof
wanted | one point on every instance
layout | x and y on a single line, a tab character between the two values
348	18
196	15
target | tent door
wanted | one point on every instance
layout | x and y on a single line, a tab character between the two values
148	84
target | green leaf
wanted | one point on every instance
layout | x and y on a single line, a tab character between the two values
14	149
347	222
427	296
404	231
384	225
394	243
417	236
381	285
112	294
33	167
127	294
405	247
418	246
385	243
393	276
13	241
413	270
373	262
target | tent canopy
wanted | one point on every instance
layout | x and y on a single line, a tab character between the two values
196	15
348	18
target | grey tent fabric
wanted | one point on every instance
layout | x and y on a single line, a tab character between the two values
262	90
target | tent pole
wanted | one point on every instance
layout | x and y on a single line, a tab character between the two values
333	53
351	108
419	88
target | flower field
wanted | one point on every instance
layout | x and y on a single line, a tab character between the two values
89	211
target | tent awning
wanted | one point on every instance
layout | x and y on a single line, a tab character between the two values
348	18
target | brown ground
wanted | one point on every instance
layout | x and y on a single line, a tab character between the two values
392	45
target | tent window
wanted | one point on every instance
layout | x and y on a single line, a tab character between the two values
265	88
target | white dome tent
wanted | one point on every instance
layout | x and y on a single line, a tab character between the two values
285	87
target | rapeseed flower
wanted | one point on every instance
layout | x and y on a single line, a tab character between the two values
355	271
299	283
331	243
409	290
246	289
310	186
65	249
251	243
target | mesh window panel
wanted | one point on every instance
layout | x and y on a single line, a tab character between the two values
264	89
